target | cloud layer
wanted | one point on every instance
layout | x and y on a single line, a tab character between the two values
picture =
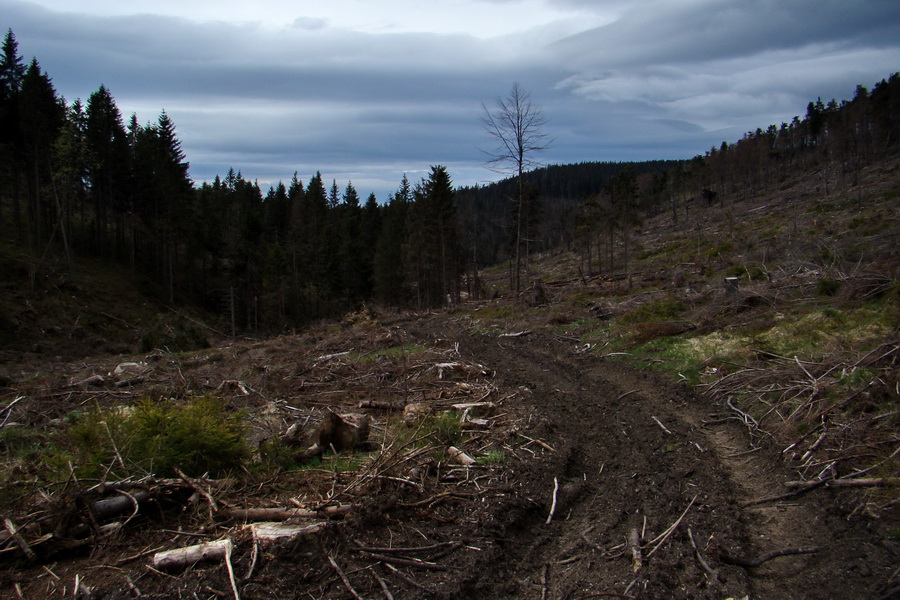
368	91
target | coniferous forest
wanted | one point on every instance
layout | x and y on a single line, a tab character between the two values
80	179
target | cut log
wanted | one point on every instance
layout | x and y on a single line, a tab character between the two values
343	432
460	457
340	432
269	534
412	412
180	558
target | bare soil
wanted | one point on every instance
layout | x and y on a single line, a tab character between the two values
594	452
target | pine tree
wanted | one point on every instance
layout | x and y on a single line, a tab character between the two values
390	263
12	74
432	245
12	67
41	117
107	151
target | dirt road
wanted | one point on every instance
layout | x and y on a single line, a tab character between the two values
638	458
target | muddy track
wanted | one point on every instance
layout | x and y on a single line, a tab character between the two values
634	454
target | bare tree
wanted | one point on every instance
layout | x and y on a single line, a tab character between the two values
517	128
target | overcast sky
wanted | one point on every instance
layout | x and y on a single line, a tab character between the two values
367	90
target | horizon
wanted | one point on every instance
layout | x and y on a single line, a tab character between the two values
365	93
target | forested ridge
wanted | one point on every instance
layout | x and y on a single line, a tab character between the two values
76	179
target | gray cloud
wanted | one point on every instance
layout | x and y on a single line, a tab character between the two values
660	79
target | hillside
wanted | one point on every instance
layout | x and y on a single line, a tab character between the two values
638	430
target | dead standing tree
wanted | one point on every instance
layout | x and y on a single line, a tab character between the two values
517	128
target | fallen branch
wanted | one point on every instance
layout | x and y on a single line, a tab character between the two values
19	540
384	588
845	483
553	505
230	568
713	574
634	544
764	558
283	514
515	335
8	410
412	550
213	507
665	535
808	487
400	575
343	577
543	445
331	356
416	564
663	427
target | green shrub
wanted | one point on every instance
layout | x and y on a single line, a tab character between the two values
158	437
444	428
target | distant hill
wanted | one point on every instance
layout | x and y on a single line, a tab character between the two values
560	190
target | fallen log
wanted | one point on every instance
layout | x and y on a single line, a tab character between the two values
180	558
382	404
116	505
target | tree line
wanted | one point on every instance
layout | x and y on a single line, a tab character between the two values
76	179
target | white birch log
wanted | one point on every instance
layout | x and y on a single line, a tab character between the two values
171	560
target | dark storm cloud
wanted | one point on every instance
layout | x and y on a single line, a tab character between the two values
659	79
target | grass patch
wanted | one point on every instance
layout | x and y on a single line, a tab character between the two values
674	355
653	312
492	457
